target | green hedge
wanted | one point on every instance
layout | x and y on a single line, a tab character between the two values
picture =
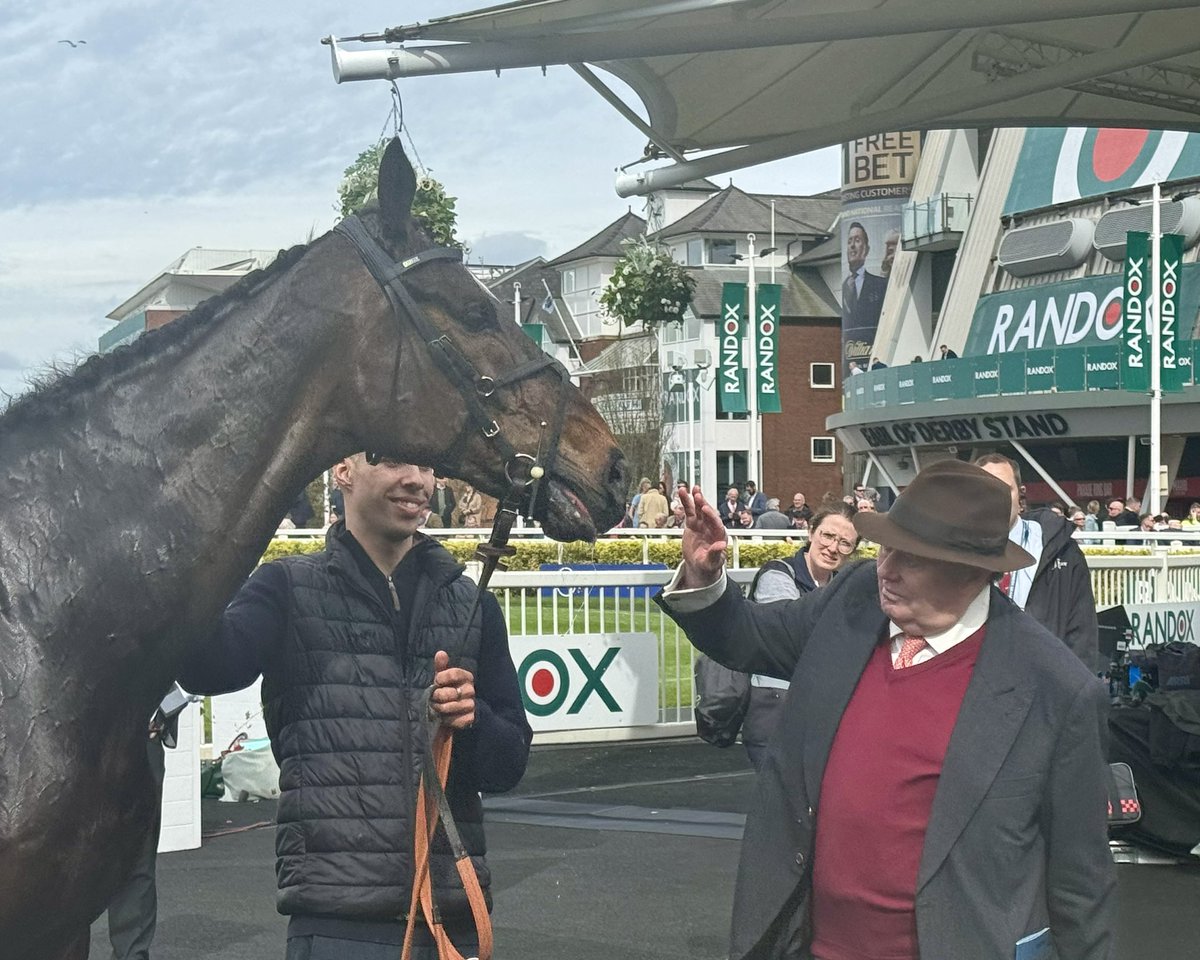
531	555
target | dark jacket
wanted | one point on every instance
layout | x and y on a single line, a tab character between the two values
344	667
795	566
442	503
766	703
1016	839
1061	598
729	514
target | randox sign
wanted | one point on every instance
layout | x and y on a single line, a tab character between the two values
731	375
1136	342
1170	283
1015	426
766	346
1135	358
1163	622
588	680
1087	312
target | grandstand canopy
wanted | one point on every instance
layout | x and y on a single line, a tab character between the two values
730	83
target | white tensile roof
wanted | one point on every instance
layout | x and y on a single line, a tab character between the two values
763	79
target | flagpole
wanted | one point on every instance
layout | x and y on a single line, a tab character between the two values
1154	491
752	379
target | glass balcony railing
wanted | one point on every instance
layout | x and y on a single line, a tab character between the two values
936	217
1060	370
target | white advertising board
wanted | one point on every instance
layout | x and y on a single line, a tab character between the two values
1164	622
181	786
588	681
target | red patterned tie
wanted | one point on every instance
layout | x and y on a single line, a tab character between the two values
909	649
1005	583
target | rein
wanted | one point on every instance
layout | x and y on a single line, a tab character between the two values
525	473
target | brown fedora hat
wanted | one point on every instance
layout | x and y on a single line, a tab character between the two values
951	511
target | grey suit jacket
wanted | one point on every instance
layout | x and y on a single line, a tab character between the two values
1017	838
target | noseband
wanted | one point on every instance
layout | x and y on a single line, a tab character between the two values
477	390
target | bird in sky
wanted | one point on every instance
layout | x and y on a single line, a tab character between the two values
73	43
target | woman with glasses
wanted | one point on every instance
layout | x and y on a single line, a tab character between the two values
831	540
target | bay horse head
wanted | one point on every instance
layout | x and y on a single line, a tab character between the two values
476	397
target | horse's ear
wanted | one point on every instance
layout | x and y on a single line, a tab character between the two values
397	187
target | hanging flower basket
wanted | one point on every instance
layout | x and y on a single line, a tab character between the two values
647	286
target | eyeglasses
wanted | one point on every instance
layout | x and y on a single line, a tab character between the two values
828	538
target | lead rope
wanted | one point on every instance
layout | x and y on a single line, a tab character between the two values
432	805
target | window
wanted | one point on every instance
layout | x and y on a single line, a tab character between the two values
722	251
820	376
731	472
688	329
822	449
568	281
695	253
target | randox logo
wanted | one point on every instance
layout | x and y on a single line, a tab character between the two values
766	348
1163	626
546	681
731	349
1056	319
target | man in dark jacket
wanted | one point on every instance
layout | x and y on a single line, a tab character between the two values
1057	592
442	502
348	641
937	785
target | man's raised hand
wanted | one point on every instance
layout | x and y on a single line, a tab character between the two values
703	541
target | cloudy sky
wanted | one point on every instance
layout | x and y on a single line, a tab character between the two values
218	125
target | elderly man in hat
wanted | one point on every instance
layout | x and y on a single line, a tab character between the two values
936	786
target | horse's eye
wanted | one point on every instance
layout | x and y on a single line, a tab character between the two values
479	314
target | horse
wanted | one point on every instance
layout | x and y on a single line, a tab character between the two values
141	489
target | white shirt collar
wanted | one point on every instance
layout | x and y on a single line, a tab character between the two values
974	617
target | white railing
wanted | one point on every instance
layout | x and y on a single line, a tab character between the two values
563	602
559	603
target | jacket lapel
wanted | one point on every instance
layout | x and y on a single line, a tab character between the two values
844	640
993	709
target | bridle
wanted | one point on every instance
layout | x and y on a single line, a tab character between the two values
478	391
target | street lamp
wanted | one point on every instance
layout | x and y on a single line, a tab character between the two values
685	380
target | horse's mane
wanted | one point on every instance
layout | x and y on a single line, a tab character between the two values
51	394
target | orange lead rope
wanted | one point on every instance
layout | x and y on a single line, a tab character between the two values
431	807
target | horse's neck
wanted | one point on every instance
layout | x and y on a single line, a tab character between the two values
160	486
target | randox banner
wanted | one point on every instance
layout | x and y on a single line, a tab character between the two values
587	680
731	374
1135	356
766	345
1170	276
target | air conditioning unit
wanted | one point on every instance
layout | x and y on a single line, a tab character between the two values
702	359
676	361
1181	216
1046	247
